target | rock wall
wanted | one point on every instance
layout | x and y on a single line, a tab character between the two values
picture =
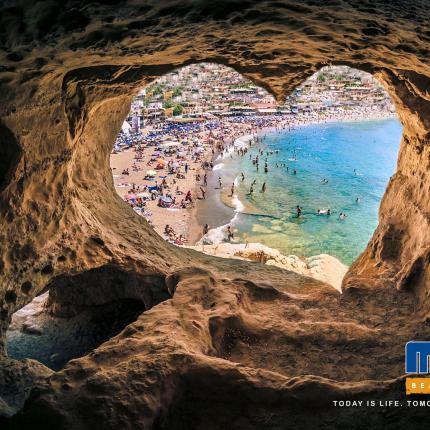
68	72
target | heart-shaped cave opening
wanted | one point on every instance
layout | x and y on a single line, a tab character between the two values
78	313
213	162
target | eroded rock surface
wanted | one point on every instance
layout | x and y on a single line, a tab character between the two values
68	73
323	267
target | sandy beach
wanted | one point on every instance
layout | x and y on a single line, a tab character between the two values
134	182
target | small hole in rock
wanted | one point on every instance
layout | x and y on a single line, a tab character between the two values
47	270
26	287
10	296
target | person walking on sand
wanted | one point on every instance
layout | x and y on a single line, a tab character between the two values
232	189
203	193
219	182
188	197
205	179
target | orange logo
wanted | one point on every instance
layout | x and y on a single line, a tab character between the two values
417	386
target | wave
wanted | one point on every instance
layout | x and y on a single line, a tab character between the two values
217	235
238	205
243	141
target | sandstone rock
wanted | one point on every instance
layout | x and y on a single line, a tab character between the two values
31	329
67	76
17	378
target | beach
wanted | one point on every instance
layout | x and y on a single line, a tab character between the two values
201	148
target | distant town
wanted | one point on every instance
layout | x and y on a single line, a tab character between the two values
203	91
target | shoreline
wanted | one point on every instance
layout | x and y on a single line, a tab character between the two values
248	209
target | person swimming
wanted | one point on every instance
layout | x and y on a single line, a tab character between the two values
298	211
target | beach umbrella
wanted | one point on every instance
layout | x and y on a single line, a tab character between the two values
156	154
144	195
130	196
151	173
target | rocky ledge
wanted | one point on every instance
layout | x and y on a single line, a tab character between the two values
322	267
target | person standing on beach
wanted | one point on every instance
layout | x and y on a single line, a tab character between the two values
230	234
219	182
205	229
205	179
263	188
232	189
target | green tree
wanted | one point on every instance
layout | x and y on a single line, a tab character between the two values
157	89
177	92
167	104
177	110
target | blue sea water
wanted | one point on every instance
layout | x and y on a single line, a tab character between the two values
357	159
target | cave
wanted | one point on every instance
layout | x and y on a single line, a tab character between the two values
67	79
75	315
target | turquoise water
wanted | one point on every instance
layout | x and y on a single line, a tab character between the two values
331	151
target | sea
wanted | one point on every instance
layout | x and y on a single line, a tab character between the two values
341	166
